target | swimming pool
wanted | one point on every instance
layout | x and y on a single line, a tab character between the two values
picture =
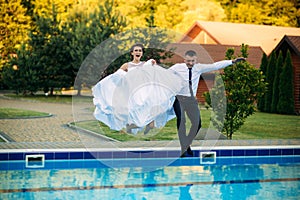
207	177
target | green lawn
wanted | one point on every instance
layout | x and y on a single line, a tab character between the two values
270	126
258	126
12	113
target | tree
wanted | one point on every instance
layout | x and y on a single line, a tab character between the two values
49	48
204	10
275	97
20	74
297	6
166	13
286	89
90	30
263	70
267	12
14	25
44	8
270	74
244	84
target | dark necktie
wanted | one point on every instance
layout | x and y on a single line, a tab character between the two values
190	81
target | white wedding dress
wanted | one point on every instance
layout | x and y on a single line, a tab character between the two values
144	94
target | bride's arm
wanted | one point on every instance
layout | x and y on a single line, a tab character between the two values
124	67
150	62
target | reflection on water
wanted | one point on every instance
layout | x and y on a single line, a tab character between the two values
172	182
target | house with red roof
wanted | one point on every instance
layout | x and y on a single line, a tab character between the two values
212	39
224	33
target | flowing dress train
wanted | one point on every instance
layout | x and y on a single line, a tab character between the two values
143	94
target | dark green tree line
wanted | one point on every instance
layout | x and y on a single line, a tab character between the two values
279	78
270	75
277	71
286	89
56	50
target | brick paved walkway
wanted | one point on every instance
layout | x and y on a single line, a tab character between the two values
52	129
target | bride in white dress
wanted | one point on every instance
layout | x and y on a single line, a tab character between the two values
139	94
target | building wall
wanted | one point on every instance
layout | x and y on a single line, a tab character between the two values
296	68
203	38
205	84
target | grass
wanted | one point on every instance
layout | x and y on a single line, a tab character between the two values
169	132
51	99
270	126
12	113
258	126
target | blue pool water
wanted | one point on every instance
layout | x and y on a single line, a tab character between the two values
272	177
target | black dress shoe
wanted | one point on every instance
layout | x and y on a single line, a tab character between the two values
189	151
185	154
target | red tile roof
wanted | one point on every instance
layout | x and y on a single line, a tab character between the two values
293	41
267	37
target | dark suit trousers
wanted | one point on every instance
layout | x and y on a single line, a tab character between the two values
189	106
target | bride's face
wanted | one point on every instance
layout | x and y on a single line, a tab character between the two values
137	53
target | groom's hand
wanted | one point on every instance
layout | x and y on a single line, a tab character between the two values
238	60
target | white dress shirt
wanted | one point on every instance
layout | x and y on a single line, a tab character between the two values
182	70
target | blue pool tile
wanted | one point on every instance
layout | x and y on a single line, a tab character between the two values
16	165
238	152
263	152
119	154
251	152
297	159
251	160
61	155
225	153
3	156
61	164
49	164
89	155
94	164
147	154
76	155
175	154
77	164
296	151
177	162
104	155
16	156
218	152
4	166
49	156
275	152
262	159
238	160
133	154
287	152
160	154
287	159
195	152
